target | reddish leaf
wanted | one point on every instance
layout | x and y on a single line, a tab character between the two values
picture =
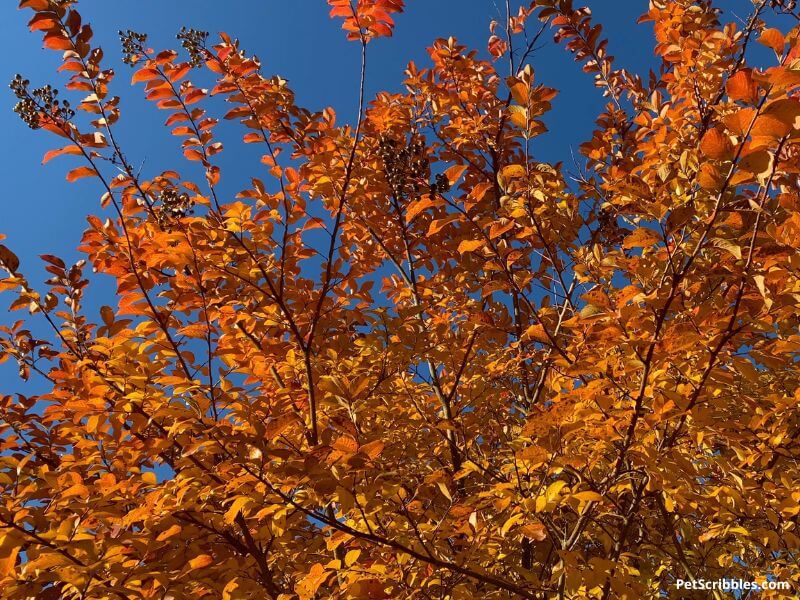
144	74
57	41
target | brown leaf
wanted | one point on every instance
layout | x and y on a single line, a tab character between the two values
8	259
535	531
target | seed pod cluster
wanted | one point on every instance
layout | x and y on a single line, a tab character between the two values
406	168
174	206
194	42
133	46
783	6
611	233
41	101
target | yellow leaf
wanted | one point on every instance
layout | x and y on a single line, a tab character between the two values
309	585
351	557
759	279
510	523
735	250
554	489
443	488
588	496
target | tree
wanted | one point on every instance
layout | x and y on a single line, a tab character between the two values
409	360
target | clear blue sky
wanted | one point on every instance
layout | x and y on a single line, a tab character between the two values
41	213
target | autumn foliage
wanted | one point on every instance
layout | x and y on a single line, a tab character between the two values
408	360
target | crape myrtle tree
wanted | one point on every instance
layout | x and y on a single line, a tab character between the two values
408	360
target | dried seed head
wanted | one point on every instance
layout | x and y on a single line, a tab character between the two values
194	41
133	46
40	101
174	206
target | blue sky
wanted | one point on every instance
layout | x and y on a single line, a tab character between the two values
41	213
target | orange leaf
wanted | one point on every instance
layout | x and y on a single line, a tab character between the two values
345	445
772	38
497	46
57	41
742	87
716	144
179	72
173	530
80	173
198	562
641	238
9	561
418	206
770	126
454	173
36	5
193	154
145	74
42	22
59	152
709	177
437	225
469	246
